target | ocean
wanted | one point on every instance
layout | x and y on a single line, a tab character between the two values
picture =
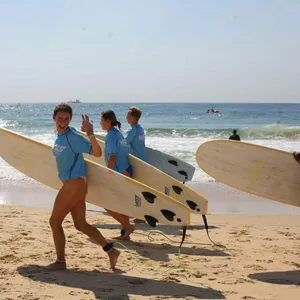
177	129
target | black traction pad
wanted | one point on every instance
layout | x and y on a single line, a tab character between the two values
169	215
177	189
149	197
173	162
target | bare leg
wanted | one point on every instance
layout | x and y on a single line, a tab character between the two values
65	201
135	220
129	228
79	218
71	194
125	224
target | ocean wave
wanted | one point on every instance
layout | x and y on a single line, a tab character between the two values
272	131
266	132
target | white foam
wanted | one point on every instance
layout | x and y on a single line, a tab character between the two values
181	147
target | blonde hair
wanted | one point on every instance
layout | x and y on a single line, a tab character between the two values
135	112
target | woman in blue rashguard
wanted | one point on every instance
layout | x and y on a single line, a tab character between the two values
68	150
116	158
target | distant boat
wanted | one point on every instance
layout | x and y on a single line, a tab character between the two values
74	101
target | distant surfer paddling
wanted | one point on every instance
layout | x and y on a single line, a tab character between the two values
235	136
116	158
68	150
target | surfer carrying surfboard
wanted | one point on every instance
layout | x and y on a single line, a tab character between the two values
68	150
135	137
116	158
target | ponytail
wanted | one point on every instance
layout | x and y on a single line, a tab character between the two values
110	115
119	124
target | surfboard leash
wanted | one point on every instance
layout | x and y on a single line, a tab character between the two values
206	228
184	228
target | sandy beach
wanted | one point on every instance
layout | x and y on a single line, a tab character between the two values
260	259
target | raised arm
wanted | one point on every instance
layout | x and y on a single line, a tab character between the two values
88	128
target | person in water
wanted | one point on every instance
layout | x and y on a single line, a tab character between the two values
297	156
135	137
235	136
116	158
68	150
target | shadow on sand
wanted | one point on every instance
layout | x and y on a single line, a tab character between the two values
107	285
285	278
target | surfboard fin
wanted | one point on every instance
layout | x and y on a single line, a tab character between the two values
151	220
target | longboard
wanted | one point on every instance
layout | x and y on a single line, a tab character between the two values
106	188
171	165
262	171
151	176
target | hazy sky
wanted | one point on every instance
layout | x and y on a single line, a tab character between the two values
155	50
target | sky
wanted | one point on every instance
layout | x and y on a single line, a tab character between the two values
150	51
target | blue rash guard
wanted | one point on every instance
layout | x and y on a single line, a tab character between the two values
68	149
115	144
135	138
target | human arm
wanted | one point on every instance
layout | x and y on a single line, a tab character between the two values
130	135
88	128
112	149
111	161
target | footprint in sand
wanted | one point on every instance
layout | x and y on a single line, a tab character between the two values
269	261
236	281
198	274
291	263
172	278
244	241
29	238
9	258
269	239
255	267
227	293
289	234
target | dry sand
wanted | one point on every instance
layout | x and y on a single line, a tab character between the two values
261	259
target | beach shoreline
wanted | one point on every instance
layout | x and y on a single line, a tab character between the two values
221	198
260	261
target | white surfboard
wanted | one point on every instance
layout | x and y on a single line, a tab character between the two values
151	176
171	165
261	171
107	189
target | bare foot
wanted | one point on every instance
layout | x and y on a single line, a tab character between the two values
121	237
126	235
57	266
128	232
113	257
